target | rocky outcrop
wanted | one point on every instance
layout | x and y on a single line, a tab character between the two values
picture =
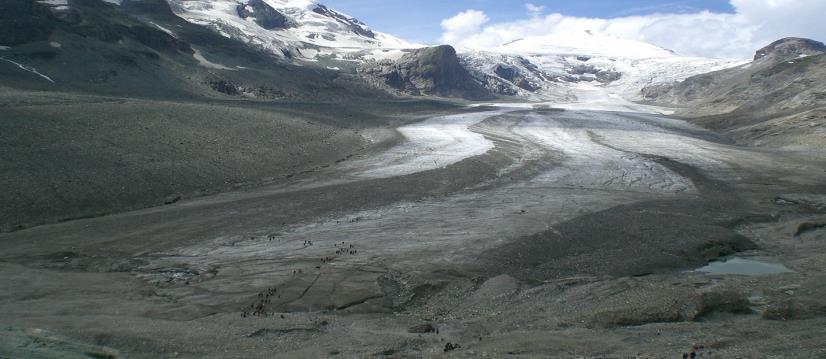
585	72
233	88
498	86
790	48
353	24
427	71
513	75
264	15
505	75
765	102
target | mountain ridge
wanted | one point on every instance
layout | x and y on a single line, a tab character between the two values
778	99
310	35
548	69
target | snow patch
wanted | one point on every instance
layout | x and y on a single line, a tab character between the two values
28	69
208	64
54	2
435	143
167	31
385	54
58	5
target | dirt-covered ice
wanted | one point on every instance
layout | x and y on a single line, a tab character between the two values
433	143
590	164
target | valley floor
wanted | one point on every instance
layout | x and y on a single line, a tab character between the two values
513	231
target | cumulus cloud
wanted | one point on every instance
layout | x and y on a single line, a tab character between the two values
754	24
466	23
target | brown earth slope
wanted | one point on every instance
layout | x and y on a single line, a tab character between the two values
777	100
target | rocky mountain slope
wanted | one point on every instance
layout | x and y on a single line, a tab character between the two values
141	48
778	99
312	34
106	108
429	70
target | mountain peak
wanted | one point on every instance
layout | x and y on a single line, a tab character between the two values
297	27
791	47
586	42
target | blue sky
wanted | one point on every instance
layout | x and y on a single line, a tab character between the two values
419	20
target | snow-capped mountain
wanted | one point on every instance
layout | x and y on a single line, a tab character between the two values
541	68
555	67
289	28
584	43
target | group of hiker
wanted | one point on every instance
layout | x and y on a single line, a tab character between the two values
258	308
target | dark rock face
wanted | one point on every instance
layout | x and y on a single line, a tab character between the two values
789	48
589	72
233	88
506	72
429	71
499	86
422	329
23	21
514	76
264	15
224	86
354	25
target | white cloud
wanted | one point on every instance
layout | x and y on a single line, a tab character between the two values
754	24
464	24
534	9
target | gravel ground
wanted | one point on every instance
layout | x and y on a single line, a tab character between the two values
576	234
